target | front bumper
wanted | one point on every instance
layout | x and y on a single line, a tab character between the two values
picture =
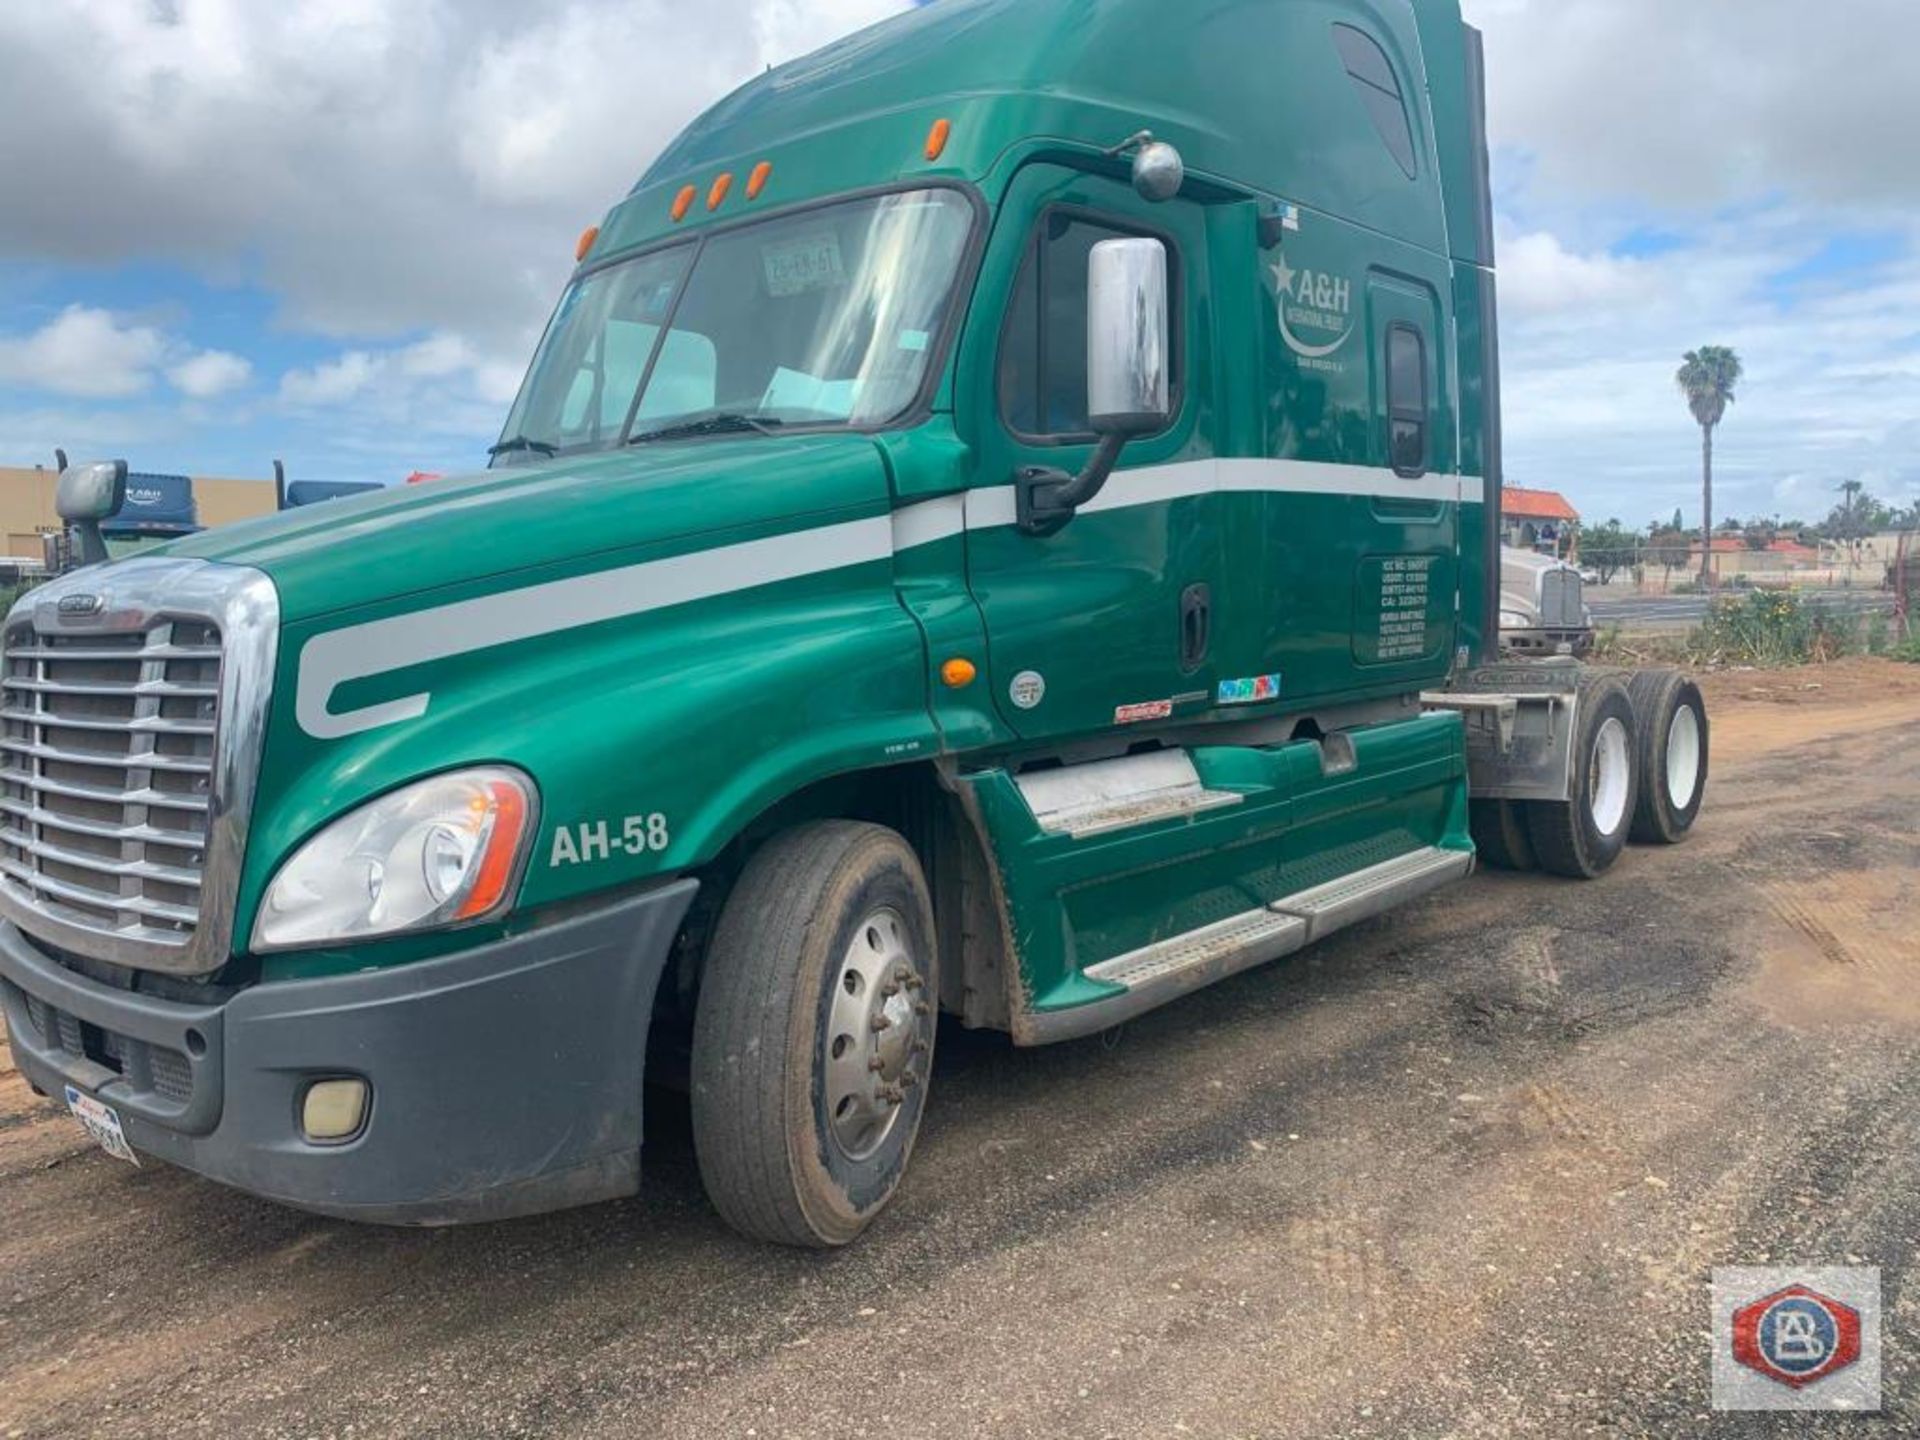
1547	642
506	1080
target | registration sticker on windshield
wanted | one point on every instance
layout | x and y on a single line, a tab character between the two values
811	262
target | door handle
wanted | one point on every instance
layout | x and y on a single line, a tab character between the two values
1196	626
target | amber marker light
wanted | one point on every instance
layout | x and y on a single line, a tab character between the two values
683	202
937	138
508	804
585	242
958	673
721	185
757	181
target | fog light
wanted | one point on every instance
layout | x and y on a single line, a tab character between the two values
334	1109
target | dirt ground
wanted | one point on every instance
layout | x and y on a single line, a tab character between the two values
1462	1172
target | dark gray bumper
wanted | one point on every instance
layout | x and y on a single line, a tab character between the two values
506	1080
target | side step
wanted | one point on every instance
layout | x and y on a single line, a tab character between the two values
1170	968
1107	795
1375	890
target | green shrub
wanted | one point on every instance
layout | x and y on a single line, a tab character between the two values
1774	628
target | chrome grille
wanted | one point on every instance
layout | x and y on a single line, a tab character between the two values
133	709
1560	600
106	773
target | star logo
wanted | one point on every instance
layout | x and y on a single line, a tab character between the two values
1283	274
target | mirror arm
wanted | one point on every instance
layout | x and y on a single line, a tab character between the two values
1045	498
90	543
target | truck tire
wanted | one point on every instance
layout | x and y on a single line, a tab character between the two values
813	1034
1582	836
1500	834
1671	756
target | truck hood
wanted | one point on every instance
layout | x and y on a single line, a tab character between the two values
416	538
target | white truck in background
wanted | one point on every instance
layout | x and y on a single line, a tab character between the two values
1542	608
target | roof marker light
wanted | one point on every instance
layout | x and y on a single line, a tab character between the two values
937	138
585	242
958	673
721	185
757	181
683	202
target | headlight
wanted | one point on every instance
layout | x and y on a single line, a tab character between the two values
1514	620
439	852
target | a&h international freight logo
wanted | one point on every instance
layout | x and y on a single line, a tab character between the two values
1796	1339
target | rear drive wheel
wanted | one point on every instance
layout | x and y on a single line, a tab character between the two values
813	1036
1671	756
1582	836
1500	834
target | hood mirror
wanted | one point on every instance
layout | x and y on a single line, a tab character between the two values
86	495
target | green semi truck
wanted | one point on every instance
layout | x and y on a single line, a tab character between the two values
1001	525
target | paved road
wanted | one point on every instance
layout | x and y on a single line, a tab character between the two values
1461	1172
1660	611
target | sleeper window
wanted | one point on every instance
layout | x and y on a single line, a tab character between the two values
1407	407
1373	80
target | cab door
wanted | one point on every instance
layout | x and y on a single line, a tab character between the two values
1107	621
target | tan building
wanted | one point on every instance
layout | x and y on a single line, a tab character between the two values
26	505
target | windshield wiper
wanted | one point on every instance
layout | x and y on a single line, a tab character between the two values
727	423
523	442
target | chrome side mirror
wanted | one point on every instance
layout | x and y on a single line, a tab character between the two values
1128	363
86	495
1127	336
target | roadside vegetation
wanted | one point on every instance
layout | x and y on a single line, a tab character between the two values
1762	629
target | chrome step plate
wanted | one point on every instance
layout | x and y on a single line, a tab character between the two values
1375	890
1210	953
1103	796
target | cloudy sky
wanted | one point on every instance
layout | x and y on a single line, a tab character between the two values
330	229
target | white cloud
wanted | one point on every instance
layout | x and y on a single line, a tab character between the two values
1693	106
332	383
442	354
387	167
431	398
210	373
83	351
1539	275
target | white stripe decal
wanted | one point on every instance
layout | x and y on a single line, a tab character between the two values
926	521
381	646
1157	484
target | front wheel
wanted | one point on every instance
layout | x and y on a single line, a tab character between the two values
813	1036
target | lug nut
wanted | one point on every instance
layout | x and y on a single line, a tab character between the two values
876	1064
880	1022
920	1007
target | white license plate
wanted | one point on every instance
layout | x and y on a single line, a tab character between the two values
100	1121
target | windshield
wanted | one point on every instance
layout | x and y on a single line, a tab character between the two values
824	317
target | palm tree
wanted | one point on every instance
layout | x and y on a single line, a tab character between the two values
1707	379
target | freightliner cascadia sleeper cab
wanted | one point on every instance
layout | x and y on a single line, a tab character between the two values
1001	525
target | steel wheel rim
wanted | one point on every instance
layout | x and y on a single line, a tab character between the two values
876	1037
1610	775
1683	757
